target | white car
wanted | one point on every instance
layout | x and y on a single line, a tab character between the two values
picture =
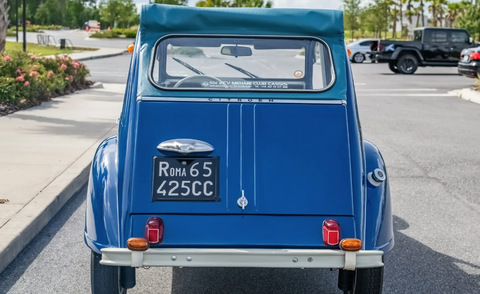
357	50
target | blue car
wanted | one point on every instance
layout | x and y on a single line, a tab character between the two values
239	145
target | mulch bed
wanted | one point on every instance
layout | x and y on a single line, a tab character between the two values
9	109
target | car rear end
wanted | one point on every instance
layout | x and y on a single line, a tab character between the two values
240	150
243	182
469	64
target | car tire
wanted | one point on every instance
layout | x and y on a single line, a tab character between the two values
104	279
358	58
407	64
362	281
369	281
393	67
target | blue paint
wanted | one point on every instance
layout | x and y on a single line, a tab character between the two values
298	164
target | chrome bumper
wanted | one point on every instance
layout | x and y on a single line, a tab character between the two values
275	258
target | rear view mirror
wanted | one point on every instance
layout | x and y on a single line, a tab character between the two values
236	51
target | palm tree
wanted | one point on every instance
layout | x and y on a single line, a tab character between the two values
422	6
3	24
441	10
433	10
418	12
454	10
394	16
409	12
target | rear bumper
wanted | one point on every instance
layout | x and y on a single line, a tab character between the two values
469	70
273	258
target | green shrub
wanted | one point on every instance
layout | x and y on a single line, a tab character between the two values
26	79
115	33
130	33
105	34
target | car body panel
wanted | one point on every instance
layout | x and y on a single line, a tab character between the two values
319	130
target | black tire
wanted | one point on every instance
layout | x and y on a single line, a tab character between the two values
104	279
393	67
367	281
358	58
407	64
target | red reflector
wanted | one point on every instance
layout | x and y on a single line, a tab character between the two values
475	56
331	232
154	230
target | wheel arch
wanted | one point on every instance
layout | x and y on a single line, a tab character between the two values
407	50
101	215
379	222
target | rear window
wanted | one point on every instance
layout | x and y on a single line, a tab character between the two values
417	35
242	63
439	36
460	37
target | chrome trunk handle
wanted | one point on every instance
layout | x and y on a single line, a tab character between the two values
185	146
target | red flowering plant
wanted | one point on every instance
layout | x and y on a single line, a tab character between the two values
27	80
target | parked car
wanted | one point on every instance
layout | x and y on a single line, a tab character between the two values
358	50
235	151
469	64
430	47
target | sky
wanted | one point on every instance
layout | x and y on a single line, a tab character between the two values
325	4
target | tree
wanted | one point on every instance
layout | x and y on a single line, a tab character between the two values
454	10
470	19
234	3
351	15
42	16
3	24
172	2
118	12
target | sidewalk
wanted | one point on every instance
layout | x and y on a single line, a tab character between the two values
45	154
100	53
467	94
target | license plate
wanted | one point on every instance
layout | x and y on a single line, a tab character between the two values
185	179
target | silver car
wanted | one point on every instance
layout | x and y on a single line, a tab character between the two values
358	50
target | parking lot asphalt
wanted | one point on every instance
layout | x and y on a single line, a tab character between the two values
429	140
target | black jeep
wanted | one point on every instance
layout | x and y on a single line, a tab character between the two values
430	47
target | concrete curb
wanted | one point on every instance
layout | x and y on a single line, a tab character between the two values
101	56
467	94
33	217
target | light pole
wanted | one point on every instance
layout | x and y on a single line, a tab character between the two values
16	18
24	26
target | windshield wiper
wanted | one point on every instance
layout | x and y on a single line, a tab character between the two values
245	72
189	66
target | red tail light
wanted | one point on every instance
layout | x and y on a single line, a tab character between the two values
475	56
154	230
331	232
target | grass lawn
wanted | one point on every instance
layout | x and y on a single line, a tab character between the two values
37	49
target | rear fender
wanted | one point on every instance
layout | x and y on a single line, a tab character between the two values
101	216
407	50
379	224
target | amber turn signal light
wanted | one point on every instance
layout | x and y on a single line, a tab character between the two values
130	48
137	244
351	244
349	52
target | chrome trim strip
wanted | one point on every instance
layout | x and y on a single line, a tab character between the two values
243	100
185	146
